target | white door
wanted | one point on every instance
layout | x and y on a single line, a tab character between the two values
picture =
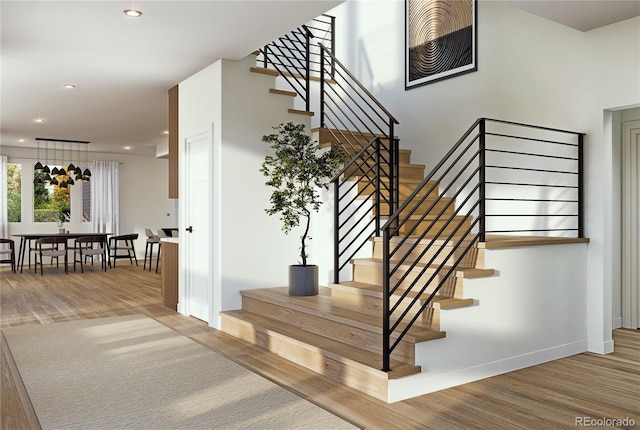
631	225
198	272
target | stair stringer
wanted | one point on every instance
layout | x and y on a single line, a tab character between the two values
530	314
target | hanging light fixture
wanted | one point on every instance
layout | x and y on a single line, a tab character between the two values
67	167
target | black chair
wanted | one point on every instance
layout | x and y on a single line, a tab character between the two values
89	246
152	239
11	252
115	244
54	250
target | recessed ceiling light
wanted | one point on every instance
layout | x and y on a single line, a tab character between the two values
39	120
21	140
127	148
69	86
165	132
132	12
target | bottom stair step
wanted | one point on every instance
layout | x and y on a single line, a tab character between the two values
344	363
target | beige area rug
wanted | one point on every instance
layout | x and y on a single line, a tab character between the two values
134	373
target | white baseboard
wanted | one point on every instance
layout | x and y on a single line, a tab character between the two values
617	323
605	347
423	383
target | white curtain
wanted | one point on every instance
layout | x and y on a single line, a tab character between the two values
105	187
4	217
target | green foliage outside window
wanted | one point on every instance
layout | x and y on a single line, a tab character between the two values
14	190
50	202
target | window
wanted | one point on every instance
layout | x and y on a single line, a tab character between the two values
86	202
50	202
14	192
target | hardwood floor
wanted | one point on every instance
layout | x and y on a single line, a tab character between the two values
548	396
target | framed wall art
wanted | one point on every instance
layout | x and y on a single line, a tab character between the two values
440	40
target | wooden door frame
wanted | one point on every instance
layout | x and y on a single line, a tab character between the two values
183	284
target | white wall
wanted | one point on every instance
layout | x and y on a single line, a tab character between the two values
144	201
250	250
529	70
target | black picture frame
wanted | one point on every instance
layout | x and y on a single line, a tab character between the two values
440	40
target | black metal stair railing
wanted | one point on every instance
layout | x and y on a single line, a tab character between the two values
356	122
514	178
296	55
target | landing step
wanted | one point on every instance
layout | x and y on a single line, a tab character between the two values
339	352
497	241
375	291
459	273
320	306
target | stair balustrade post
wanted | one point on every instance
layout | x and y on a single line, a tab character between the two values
307	43
581	185
394	172
481	178
264	56
321	85
377	192
386	353
336	231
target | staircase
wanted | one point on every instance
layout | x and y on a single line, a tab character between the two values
339	332
363	329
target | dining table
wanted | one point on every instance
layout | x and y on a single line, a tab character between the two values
26	237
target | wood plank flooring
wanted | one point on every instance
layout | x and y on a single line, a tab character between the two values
548	396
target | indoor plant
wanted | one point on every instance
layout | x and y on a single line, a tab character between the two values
296	172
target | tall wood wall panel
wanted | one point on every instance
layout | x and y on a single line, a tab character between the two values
173	142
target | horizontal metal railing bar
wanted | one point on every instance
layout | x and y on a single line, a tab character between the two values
530	169
403	219
295	87
335	126
425	268
333	58
355	184
353	160
360	206
327	106
349	83
533	139
520	184
523	215
423	289
432	173
358	221
531	154
440	232
428	301
530	231
357	236
538	127
363	123
530	200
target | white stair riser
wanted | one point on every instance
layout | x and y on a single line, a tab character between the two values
474	258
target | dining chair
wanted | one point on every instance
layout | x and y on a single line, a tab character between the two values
152	240
89	246
161	235
11	253
56	247
116	244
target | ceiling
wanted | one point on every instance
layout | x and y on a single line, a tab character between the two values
122	67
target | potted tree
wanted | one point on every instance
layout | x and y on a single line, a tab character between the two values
296	172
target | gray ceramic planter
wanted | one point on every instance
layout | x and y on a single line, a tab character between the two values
303	280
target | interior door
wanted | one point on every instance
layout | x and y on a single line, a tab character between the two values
198	226
631	224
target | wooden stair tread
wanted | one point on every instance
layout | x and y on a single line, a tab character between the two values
437	242
282	92
301	112
459	273
263	71
333	349
372	290
321	306
496	241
